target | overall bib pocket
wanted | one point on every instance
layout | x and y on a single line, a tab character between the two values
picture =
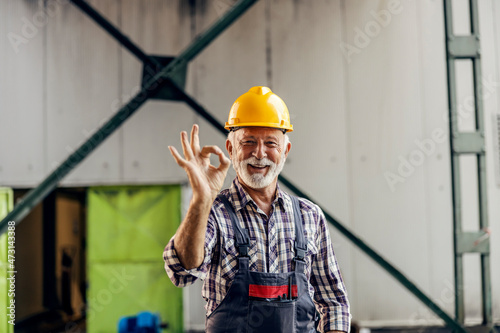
278	315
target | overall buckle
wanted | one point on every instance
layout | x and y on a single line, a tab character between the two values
300	253
243	249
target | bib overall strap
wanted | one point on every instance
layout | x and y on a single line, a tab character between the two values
300	241
242	236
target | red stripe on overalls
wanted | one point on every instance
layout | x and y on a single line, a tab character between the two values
256	290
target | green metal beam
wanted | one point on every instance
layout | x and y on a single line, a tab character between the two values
36	195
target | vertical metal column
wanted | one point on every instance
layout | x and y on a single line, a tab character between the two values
472	143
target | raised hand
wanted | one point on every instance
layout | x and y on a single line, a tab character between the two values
206	180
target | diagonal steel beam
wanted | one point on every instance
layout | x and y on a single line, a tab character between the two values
151	61
392	270
151	87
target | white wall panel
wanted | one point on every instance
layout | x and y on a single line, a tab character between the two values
82	82
158	28
22	61
384	119
436	168
461	18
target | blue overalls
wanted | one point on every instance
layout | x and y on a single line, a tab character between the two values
265	302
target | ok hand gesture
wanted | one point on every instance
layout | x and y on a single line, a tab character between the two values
206	180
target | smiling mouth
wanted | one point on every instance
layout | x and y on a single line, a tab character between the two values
259	167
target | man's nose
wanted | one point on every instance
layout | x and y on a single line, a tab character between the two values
260	151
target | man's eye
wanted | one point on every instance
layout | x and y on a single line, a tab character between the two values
248	142
272	143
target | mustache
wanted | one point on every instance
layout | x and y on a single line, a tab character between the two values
256	162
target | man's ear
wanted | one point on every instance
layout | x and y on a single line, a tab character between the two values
229	148
287	149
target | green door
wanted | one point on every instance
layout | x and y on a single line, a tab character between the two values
128	228
6	315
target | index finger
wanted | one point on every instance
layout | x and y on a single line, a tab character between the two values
195	139
207	150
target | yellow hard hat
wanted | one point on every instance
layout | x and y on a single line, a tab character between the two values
259	107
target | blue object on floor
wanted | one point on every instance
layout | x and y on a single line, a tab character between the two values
143	322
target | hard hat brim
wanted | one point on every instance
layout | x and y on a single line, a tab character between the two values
258	124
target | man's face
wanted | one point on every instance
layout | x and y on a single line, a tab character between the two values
258	155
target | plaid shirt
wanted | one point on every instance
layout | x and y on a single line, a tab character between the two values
271	250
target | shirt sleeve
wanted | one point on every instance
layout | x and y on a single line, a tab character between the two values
180	276
330	294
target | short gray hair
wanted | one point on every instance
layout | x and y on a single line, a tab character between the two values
230	137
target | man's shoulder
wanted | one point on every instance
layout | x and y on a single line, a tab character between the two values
306	205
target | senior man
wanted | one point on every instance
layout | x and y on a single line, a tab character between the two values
265	256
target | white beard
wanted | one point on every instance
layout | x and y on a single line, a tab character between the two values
257	180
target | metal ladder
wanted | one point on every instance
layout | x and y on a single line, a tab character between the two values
471	143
